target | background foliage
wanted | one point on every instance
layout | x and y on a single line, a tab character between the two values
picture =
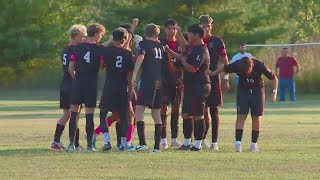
33	32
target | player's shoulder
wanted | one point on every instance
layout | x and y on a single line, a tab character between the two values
215	37
68	49
163	41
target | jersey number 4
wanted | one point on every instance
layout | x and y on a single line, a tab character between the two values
158	53
119	62
87	57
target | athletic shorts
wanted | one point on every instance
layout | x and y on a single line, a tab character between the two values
114	99
194	100
215	97
149	96
65	96
250	99
84	91
171	95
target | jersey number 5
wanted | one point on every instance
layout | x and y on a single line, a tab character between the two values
119	62
158	53
87	57
64	59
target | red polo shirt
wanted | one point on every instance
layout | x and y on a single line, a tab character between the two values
285	65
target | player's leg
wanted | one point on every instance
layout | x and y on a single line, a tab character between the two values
241	118
292	89
198	131
282	90
89	111
56	144
77	136
157	128
141	127
175	111
187	119
214	112
207	118
256	123
164	117
73	126
131	122
104	129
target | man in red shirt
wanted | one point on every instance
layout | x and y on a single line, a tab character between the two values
287	67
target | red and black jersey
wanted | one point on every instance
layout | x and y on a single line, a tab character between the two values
153	60
196	56
216	49
65	59
87	57
172	78
254	79
118	62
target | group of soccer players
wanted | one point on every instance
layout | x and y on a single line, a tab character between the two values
182	68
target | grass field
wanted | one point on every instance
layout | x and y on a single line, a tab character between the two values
289	146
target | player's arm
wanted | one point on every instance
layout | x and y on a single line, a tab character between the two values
72	66
297	67
188	67
135	23
182	41
137	66
173	54
271	76
229	68
171	66
224	59
108	42
277	68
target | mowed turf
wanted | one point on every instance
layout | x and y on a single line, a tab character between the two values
289	145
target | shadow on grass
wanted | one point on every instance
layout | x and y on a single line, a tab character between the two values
29	152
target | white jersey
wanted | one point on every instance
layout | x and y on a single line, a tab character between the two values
239	56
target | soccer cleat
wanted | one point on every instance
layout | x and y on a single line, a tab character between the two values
94	142
155	151
238	147
205	144
91	149
106	147
164	146
195	149
175	144
70	148
130	148
214	147
57	146
79	148
184	148
141	147
254	147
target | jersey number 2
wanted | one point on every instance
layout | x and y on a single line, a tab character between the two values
119	62
158	53
87	57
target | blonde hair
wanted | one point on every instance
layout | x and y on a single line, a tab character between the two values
77	29
152	30
205	19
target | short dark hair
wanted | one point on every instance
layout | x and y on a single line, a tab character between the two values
245	65
120	34
196	29
242	44
170	22
95	28
205	19
127	26
285	48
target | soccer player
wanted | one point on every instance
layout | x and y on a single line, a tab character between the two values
78	33
172	87
242	53
196	87
84	68
150	57
250	95
117	91
287	67
217	53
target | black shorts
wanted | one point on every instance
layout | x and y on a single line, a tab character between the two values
194	100
84	91
215	97
171	95
114	99
65	96
149	96
250	99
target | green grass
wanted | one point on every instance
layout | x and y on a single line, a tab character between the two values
289	145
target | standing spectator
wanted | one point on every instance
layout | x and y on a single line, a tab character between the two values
288	67
242	53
